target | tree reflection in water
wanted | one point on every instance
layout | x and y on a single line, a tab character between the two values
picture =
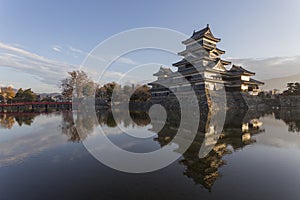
237	133
238	129
68	127
7	120
86	124
291	117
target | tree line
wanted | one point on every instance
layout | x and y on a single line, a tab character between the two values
292	89
79	85
8	95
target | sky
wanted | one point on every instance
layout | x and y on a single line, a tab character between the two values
40	41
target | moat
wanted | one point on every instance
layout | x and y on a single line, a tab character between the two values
255	156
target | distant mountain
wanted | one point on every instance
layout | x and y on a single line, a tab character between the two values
280	83
43	95
130	82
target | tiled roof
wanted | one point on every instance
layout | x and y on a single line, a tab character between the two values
163	71
204	32
240	69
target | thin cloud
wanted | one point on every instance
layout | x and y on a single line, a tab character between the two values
275	72
77	50
273	67
51	72
128	61
56	48
45	70
113	74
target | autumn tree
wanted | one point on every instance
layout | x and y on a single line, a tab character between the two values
7	94
6	121
79	83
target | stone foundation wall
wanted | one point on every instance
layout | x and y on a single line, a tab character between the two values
171	102
253	102
234	100
289	101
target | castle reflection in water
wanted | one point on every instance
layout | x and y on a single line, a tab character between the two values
236	133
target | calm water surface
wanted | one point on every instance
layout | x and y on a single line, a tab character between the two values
255	157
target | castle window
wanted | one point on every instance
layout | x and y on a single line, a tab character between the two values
245	78
244	87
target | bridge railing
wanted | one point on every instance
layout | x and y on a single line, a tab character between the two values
35	103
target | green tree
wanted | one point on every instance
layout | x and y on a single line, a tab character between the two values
297	88
110	88
19	95
25	96
101	92
107	90
123	94
29	95
141	93
292	89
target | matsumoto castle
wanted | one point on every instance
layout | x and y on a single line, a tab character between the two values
204	70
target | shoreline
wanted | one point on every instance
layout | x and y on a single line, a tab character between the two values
243	102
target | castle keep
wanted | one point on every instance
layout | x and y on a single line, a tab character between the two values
204	70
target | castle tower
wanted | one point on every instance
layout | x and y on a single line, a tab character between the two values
205	71
202	64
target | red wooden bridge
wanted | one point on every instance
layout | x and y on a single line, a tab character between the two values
34	103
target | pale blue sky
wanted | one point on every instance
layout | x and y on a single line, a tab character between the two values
55	36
